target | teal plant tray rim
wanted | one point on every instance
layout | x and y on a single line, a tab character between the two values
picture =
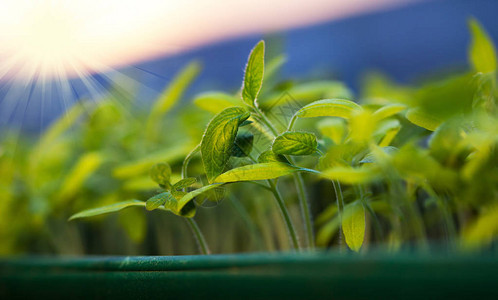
220	261
253	276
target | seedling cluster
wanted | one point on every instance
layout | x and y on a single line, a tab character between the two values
400	166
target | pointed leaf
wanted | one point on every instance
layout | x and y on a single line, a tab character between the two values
371	158
107	209
295	143
218	139
350	175
165	199
353	225
482	53
174	91
184	183
186	200
329	108
388	111
270	156
243	144
161	174
215	102
253	77
422	119
261	171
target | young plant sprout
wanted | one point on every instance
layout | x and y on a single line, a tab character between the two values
396	165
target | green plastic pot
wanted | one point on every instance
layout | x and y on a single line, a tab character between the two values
253	276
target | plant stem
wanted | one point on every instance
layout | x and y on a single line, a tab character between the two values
246	218
187	160
340	207
199	237
285	214
301	190
305	210
365	203
339	198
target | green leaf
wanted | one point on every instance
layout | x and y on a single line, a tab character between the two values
186	200
270	156
260	171
371	158
309	91
353	225
482	53
422	119
274	65
388	111
243	144
295	143
482	231
83	169
107	209
253	77
160	199
333	128
386	131
329	108
218	140
134	223
161	174
143	164
184	183
215	102
350	175
174	91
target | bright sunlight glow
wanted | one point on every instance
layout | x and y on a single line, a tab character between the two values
66	37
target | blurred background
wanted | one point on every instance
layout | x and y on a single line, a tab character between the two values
116	58
92	45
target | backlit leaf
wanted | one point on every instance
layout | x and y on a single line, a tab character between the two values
243	144
218	140
173	92
161	199
83	169
329	108
253	77
107	209
184	183
270	156
350	175
261	171
295	143
353	225
422	119
388	111
333	128
482	53
161	174
186	200
215	102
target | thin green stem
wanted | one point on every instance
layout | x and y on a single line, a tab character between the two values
199	237
285	214
301	190
188	158
443	206
305	210
246	218
340	207
339	198
266	121
365	203
291	123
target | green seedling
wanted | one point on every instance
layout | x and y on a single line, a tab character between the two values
397	166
